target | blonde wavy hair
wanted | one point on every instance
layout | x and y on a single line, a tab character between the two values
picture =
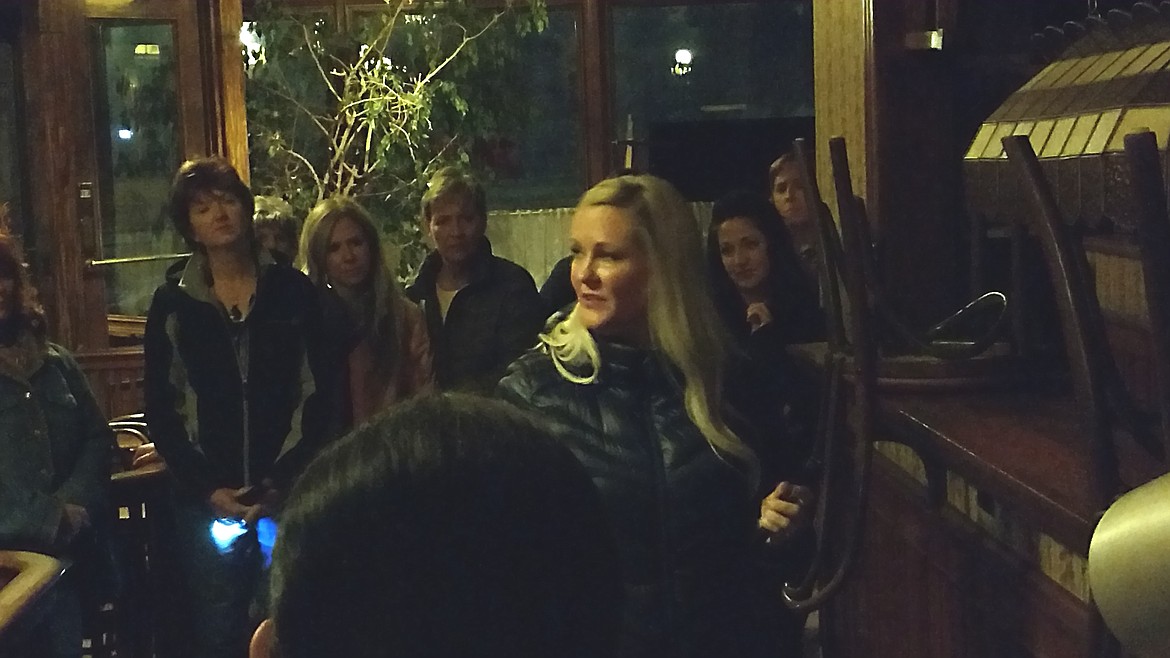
685	330
384	308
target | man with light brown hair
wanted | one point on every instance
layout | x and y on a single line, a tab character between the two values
788	196
482	311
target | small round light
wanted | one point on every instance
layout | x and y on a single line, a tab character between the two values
125	133
683	57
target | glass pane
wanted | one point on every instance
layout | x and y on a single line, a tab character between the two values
1149	55
11	181
541	165
138	151
1126	59
1039	135
1050	75
1058	138
1102	132
729	83
1082	130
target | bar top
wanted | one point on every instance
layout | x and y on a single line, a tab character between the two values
1024	447
25	577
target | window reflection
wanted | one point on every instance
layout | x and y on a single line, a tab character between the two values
542	164
137	123
716	88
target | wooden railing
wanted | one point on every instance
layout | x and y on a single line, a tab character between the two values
115	375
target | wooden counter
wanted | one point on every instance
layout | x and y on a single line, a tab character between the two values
977	530
1022	445
24	578
1022	448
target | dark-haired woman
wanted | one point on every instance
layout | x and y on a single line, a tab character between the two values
54	462
231	394
767	303
383	353
756	278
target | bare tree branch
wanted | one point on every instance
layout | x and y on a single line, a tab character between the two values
317	62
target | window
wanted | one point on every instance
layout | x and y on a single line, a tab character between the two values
137	124
714	91
542	165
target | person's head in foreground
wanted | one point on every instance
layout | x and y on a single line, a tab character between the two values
449	527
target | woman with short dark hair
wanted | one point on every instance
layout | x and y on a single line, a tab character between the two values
231	394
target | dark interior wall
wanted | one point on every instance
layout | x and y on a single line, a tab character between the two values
926	108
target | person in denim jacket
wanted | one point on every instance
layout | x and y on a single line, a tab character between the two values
54	465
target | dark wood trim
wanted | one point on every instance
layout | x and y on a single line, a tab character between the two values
223	69
159	9
595	72
1020	441
55	63
1113	245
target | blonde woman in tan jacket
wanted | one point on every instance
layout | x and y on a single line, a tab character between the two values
380	352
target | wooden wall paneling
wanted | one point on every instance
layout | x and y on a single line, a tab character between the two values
915	163
227	127
929	584
595	88
55	61
842	47
116	377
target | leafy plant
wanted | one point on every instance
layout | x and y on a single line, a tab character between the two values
372	110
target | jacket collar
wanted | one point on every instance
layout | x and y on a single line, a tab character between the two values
24	358
625	363
194	277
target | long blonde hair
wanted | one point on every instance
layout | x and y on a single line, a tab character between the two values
383	309
685	329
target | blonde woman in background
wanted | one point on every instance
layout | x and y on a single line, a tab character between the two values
632	381
380	352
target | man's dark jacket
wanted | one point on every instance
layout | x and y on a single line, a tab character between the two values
490	322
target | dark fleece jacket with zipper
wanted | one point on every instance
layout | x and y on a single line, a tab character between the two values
231	404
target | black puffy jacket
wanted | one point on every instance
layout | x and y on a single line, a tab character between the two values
684	519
